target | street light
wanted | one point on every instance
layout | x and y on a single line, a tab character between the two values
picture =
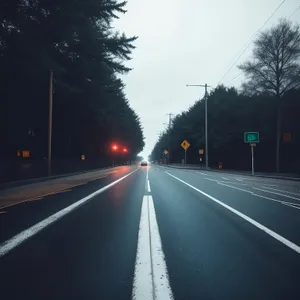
205	103
114	147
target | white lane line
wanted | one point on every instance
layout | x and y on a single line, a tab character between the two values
270	232
202	173
239	179
151	279
293	205
296	194
21	237
162	289
215	180
275	193
148	185
225	178
234	187
143	282
220	181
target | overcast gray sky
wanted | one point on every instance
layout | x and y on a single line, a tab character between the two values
188	42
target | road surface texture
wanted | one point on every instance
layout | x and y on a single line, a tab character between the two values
151	233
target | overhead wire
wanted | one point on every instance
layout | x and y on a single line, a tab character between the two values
294	12
250	41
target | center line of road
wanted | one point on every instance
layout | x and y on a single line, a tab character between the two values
33	230
270	232
151	279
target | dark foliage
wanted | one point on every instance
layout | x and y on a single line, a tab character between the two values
230	114
76	41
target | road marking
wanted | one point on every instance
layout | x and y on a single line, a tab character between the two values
148	185
215	180
218	181
291	205
143	283
21	237
203	174
270	232
225	178
296	194
151	279
294	205
239	179
275	193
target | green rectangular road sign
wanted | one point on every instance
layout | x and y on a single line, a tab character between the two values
251	137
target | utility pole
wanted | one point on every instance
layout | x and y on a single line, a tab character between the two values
169	136
50	121
205	103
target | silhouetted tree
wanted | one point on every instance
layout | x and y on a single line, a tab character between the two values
275	68
74	39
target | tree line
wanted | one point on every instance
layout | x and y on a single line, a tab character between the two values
75	40
268	103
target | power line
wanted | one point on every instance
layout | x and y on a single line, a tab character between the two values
294	12
236	77
251	39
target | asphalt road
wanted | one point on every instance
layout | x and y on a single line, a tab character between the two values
151	233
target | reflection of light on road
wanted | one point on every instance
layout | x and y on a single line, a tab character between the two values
2	212
32	194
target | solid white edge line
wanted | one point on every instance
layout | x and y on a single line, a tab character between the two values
21	237
143	281
162	289
270	232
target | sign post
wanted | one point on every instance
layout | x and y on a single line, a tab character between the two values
185	145
252	138
252	157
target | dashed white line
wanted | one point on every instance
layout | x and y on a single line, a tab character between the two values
270	232
148	186
33	230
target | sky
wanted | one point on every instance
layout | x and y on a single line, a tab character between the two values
188	42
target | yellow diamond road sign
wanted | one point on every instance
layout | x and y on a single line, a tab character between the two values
185	144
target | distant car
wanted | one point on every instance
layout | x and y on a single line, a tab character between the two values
144	163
